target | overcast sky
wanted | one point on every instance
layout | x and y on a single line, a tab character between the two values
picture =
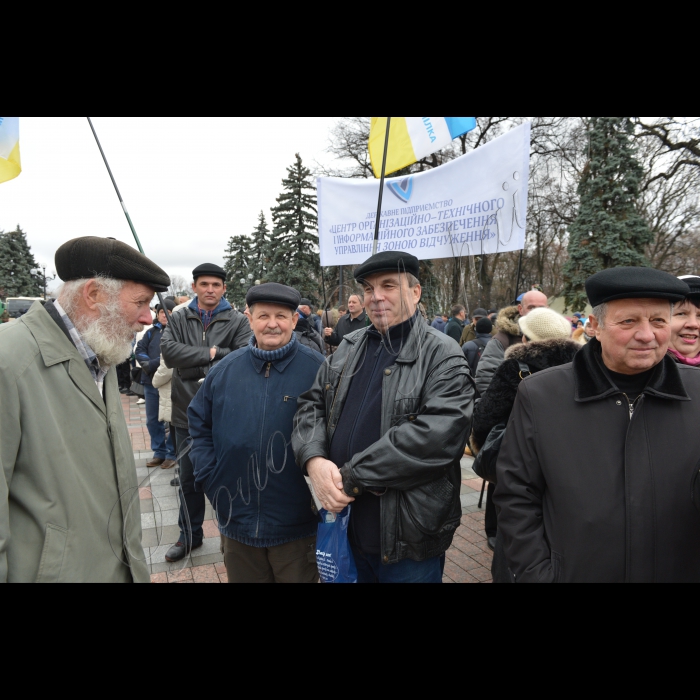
190	183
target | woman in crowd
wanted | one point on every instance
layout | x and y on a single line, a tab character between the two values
685	325
546	343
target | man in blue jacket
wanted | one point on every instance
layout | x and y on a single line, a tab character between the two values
241	424
148	356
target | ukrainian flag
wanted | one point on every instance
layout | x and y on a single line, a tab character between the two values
10	165
413	138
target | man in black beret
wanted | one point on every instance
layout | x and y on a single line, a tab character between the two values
306	312
241	424
197	338
384	429
67	473
630	514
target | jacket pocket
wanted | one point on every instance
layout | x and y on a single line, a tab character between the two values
53	554
557	567
426	510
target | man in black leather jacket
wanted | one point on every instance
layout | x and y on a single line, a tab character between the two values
197	338
384	428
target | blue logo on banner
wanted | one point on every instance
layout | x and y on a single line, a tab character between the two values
403	190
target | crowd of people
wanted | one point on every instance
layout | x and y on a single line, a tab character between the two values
281	416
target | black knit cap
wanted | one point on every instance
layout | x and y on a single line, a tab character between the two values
273	293
390	261
169	305
209	270
693	282
634	283
89	257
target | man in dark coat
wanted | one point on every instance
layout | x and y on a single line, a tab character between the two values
455	326
354	320
628	514
384	427
241	425
197	338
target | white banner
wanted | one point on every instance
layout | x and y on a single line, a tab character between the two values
474	205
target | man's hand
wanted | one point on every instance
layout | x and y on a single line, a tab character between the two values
328	332
328	485
213	352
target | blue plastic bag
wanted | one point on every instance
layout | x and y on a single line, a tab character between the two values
336	563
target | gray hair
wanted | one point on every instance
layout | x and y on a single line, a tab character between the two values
601	312
69	293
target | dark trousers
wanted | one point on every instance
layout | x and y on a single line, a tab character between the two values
289	563
192	504
371	570
161	448
491	518
124	375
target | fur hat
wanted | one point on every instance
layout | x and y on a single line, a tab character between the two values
545	324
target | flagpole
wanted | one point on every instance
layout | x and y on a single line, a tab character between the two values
126	212
381	186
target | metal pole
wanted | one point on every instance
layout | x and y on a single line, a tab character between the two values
126	212
341	292
381	186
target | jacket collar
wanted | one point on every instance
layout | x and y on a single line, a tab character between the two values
411	347
221	308
56	348
281	364
594	383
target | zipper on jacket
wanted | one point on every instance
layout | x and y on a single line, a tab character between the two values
632	404
267	374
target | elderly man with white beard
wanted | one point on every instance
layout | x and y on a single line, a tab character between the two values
69	509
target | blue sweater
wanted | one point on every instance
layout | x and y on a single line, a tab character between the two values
241	423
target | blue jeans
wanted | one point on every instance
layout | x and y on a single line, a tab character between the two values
371	570
161	449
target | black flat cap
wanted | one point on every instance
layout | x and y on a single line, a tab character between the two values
693	282
273	293
390	261
306	302
209	270
89	257
480	313
634	283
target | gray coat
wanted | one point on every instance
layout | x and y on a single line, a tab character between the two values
186	348
621	511
69	499
428	399
508	334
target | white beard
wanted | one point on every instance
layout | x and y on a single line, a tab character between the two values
109	336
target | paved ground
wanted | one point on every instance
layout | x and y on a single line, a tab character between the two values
469	560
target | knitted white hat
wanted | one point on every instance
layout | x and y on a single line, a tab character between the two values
545	324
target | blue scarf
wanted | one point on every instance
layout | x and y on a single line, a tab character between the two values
272	355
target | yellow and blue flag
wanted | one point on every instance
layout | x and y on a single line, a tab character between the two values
10	164
413	138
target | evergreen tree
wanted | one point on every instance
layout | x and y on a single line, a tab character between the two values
294	241
16	265
237	267
608	231
260	250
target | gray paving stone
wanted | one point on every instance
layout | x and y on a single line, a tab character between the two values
208	560
471	499
149	538
165	503
162	491
210	546
166	518
146	506
148	521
